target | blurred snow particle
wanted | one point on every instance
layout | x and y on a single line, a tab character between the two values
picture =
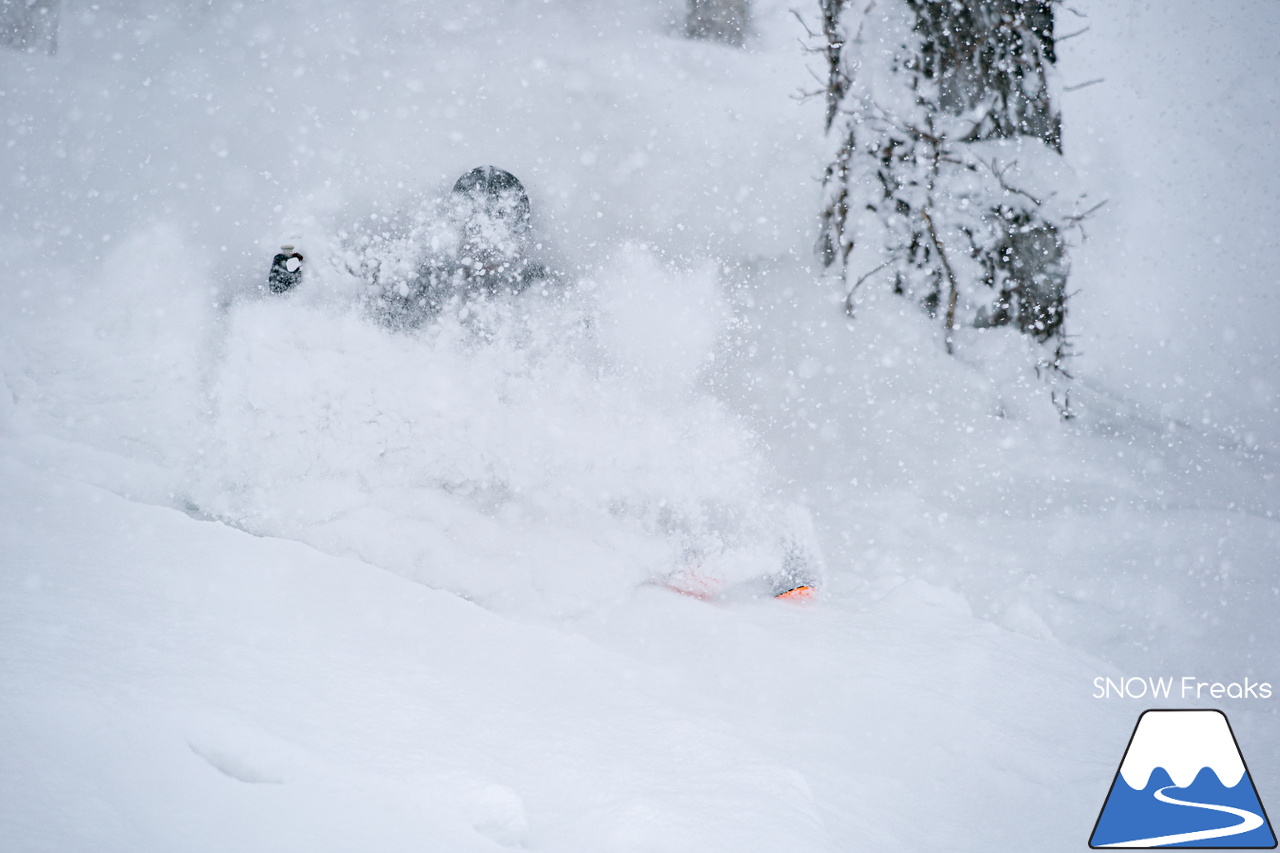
660	323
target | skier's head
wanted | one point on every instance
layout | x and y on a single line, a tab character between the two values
493	207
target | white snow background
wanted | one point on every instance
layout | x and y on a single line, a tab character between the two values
275	578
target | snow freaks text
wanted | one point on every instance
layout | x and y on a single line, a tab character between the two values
1186	687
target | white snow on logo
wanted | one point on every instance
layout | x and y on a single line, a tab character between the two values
1183	743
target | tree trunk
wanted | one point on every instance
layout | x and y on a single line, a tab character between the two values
726	21
30	24
932	106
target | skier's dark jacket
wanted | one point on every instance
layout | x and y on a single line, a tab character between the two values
491	209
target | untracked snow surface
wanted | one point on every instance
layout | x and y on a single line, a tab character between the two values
274	576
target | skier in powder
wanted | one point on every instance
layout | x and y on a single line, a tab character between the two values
476	244
488	252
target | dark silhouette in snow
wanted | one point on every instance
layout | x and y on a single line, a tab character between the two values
286	270
476	243
30	25
488	214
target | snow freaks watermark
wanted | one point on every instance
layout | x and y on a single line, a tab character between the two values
1184	688
1183	782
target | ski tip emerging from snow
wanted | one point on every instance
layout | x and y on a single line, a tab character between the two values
705	588
800	593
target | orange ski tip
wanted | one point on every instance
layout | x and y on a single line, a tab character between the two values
799	593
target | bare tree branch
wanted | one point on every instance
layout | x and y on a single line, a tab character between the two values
811	33
1084	85
951	280
1060	39
1080	217
999	176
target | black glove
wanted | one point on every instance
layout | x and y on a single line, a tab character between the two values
286	270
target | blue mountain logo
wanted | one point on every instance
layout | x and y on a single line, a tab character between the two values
1183	783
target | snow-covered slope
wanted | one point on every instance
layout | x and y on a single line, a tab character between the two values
172	683
273	577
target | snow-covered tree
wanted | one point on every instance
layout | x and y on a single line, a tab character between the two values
719	20
946	181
